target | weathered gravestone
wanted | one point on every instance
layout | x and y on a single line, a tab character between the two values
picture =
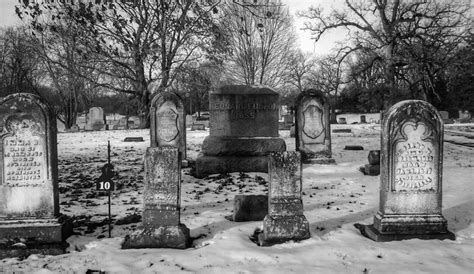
243	131
161	202
29	206
411	175
285	220
168	126
313	130
95	119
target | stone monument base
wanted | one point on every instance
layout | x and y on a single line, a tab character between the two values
173	236
320	161
372	170
319	158
206	165
402	227
20	238
280	229
370	232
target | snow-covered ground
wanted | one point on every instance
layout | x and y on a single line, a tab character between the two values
335	197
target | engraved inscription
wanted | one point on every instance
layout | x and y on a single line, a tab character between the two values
313	121
243	106
167	122
414	161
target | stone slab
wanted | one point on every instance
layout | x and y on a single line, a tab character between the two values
410	224
370	232
280	229
372	170
206	165
243	146
353	147
133	139
250	208
198	127
39	231
342	130
159	237
8	251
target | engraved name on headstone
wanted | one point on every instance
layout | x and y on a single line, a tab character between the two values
411	175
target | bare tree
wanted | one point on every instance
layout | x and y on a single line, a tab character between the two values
383	26
300	69
144	42
262	38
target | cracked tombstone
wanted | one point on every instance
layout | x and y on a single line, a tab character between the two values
29	197
285	220
411	175
161	227
312	128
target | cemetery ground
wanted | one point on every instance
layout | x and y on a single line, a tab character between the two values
335	197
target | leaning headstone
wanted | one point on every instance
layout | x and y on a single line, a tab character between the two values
168	126
250	208
243	130
161	202
96	119
411	175
285	220
313	130
29	206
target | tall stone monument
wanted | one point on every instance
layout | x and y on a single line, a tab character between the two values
411	175
313	130
29	206
285	220
168	122
161	199
243	130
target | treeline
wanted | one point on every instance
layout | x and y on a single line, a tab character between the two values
118	54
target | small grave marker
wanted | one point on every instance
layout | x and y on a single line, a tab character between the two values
133	139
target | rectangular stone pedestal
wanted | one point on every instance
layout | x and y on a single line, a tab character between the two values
206	165
176	236
280	229
20	238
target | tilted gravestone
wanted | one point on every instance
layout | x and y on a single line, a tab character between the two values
285	220
313	130
243	130
161	202
168	124
29	206
411	175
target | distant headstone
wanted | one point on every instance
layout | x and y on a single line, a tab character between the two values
351	147
342	130
96	119
444	114
285	220
363	119
411	168
342	120
161	202
373	167
133	139
29	206
74	128
198	127
313	130
168	126
250	208
243	130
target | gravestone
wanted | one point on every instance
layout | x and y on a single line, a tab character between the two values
168	126
161	227
95	119
363	119
313	130
411	175
243	130
285	220
373	167
29	206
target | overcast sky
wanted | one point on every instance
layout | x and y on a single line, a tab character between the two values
9	18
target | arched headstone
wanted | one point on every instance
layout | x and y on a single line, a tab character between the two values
29	206
168	124
411	175
313	130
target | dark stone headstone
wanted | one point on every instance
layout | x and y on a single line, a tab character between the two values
363	119
351	147
133	139
374	157
285	220
373	167
411	181
168	126
342	130
250	208
312	128
243	129
161	202
29	206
